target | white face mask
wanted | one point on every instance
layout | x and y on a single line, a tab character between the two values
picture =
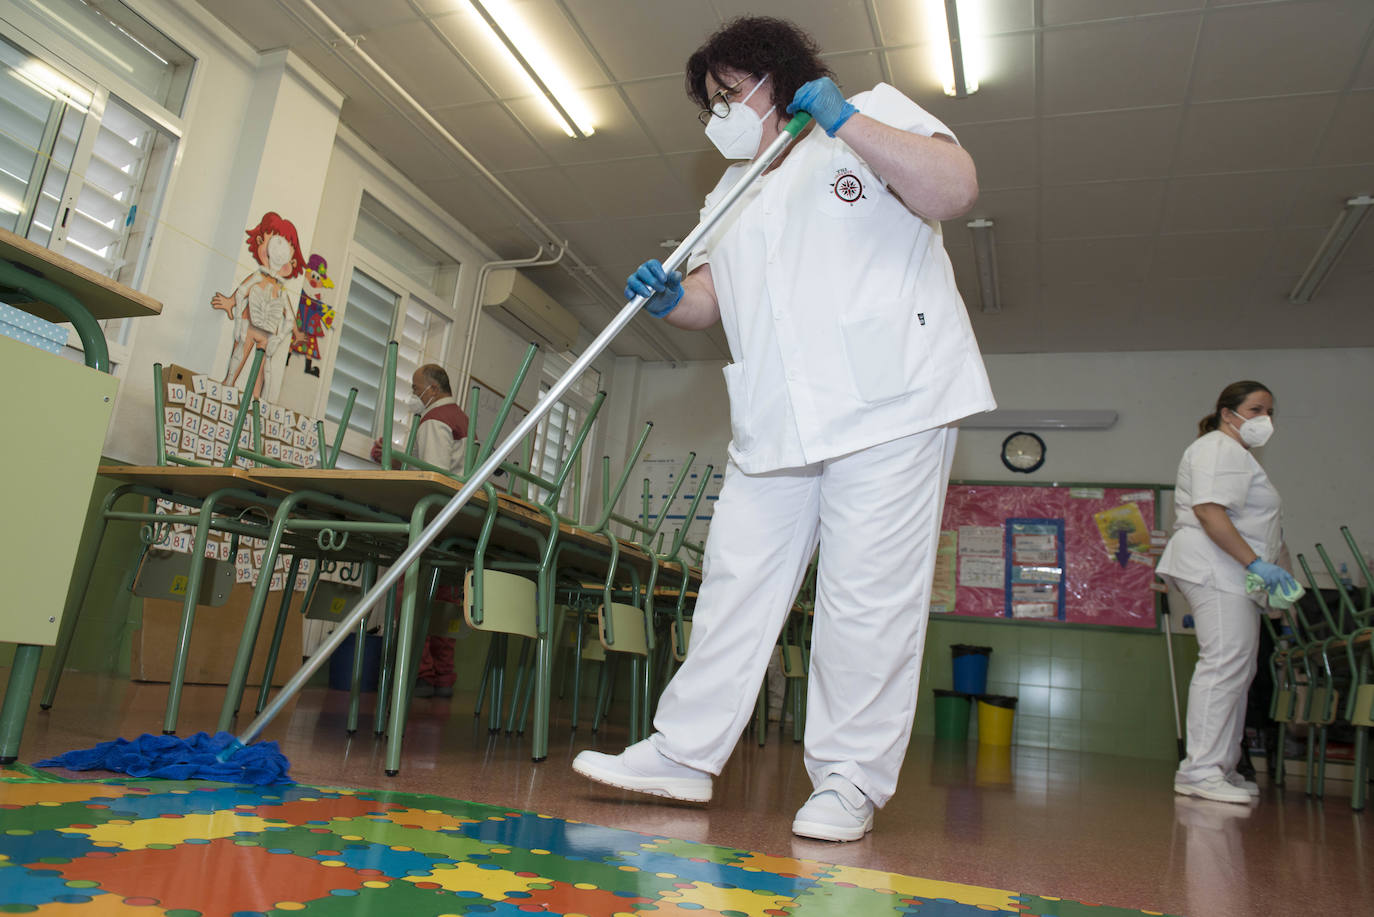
278	253
739	133
1256	431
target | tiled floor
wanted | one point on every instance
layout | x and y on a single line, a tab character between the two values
1043	824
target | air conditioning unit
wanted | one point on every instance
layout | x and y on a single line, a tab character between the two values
522	306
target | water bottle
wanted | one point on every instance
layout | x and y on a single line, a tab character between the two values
1345	577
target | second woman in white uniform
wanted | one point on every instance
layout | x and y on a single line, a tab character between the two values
1227	525
853	358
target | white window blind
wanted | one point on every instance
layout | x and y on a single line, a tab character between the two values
557	431
82	170
361	351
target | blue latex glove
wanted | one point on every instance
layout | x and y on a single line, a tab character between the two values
1274	576
822	100
663	289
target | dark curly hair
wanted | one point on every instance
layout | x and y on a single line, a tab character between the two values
757	45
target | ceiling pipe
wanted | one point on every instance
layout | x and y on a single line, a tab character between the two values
474	318
580	272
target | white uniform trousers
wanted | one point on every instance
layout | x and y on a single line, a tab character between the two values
876	514
1228	628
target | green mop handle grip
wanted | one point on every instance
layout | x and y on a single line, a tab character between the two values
799	121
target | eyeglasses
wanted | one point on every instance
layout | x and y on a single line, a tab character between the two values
720	102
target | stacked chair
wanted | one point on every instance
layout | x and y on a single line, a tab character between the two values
1323	671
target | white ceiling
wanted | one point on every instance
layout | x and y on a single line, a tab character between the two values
1159	171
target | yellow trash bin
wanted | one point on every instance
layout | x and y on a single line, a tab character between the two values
995	717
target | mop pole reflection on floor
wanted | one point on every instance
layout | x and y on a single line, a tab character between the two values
493	462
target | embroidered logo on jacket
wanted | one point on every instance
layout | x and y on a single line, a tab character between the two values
848	187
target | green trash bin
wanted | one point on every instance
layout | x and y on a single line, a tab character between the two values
951	714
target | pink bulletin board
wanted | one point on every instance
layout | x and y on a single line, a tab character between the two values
1075	554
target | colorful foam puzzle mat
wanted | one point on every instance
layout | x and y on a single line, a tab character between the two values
139	847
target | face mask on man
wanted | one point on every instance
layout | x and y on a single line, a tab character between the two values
738	134
1256	431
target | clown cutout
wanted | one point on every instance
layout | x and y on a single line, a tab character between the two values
313	316
261	307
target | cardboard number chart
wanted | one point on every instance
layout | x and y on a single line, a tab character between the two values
198	424
1074	554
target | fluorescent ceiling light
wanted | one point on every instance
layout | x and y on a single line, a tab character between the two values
1356	209
985	260
1043	419
959	57
537	64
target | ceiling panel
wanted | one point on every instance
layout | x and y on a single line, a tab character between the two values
1005	153
1280	48
1113	65
1217	203
1101	209
1349	138
1143	161
1260	134
1138	143
1226	254
1067	12
494	135
420	59
657	31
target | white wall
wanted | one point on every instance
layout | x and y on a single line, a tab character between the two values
1319	458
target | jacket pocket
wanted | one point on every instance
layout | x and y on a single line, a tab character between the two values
737	388
887	346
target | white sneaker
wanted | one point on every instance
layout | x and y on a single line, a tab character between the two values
1215	788
836	811
1249	786
642	768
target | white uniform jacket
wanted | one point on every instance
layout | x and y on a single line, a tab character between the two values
839	305
1217	469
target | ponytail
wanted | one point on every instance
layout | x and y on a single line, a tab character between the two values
1230	398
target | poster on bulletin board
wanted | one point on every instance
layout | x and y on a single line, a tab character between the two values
1072	554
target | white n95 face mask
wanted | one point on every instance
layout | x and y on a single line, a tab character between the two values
1256	431
738	134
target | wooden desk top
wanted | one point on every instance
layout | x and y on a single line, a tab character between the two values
193	482
102	297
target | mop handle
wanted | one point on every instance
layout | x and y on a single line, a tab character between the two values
498	455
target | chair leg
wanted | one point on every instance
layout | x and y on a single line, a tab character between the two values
355	683
1360	788
1280	745
23	674
761	714
498	684
390	654
577	671
274	651
521	668
482	685
188	616
603	692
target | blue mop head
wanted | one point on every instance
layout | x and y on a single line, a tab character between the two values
200	757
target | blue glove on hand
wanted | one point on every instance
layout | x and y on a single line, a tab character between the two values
663	289
822	100
1274	576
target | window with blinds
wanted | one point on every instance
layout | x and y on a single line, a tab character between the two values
396	284
556	433
82	168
